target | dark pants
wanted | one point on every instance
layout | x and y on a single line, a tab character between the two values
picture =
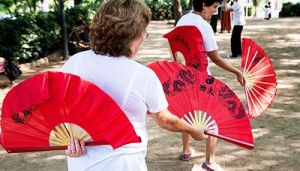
236	43
213	22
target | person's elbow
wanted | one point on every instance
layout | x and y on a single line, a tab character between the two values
163	119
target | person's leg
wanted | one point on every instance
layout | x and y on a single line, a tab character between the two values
222	21
213	22
211	145
210	161
233	42
186	150
238	40
185	143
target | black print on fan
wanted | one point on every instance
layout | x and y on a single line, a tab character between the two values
195	62
231	105
208	90
187	76
257	59
210	80
24	116
185	81
241	113
183	42
225	93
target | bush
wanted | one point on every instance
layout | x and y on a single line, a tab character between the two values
26	38
161	10
289	9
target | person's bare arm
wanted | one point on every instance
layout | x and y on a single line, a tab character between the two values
215	58
227	7
170	122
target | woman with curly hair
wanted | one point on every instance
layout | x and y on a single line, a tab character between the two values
116	34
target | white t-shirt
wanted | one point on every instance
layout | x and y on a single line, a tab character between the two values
134	87
209	39
238	17
267	12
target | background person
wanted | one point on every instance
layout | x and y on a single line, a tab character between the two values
238	18
116	34
203	11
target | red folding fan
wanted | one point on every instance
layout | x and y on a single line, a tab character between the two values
260	88
204	101
186	44
46	110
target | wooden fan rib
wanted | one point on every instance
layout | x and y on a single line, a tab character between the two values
59	133
266	98
250	102
256	65
258	101
248	68
265	90
245	70
260	69
56	141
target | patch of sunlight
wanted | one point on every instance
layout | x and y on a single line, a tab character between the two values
284	85
267	27
270	162
3	152
284	71
259	132
296	145
242	152
290	61
57	157
293	36
278	113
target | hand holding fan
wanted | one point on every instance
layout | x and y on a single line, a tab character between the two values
203	100
260	77
46	110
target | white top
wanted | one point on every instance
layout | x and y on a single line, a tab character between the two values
238	17
134	87
267	12
209	39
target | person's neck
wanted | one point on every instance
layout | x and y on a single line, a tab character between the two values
198	13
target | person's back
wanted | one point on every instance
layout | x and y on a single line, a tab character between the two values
127	82
117	32
238	17
267	12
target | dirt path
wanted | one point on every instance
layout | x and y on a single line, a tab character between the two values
277	137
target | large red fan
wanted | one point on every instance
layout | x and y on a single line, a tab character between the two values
203	100
186	44
46	110
260	88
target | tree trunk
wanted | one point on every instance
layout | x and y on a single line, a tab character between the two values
177	10
255	5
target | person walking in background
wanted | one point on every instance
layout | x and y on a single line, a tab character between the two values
116	34
238	23
203	11
267	12
214	21
226	19
269	5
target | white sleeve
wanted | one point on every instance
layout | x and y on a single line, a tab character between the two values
155	97
236	6
210	43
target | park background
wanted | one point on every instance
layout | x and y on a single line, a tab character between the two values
276	133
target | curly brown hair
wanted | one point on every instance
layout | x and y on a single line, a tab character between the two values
116	24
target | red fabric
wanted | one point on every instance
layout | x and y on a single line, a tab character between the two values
32	109
260	88
189	91
188	41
